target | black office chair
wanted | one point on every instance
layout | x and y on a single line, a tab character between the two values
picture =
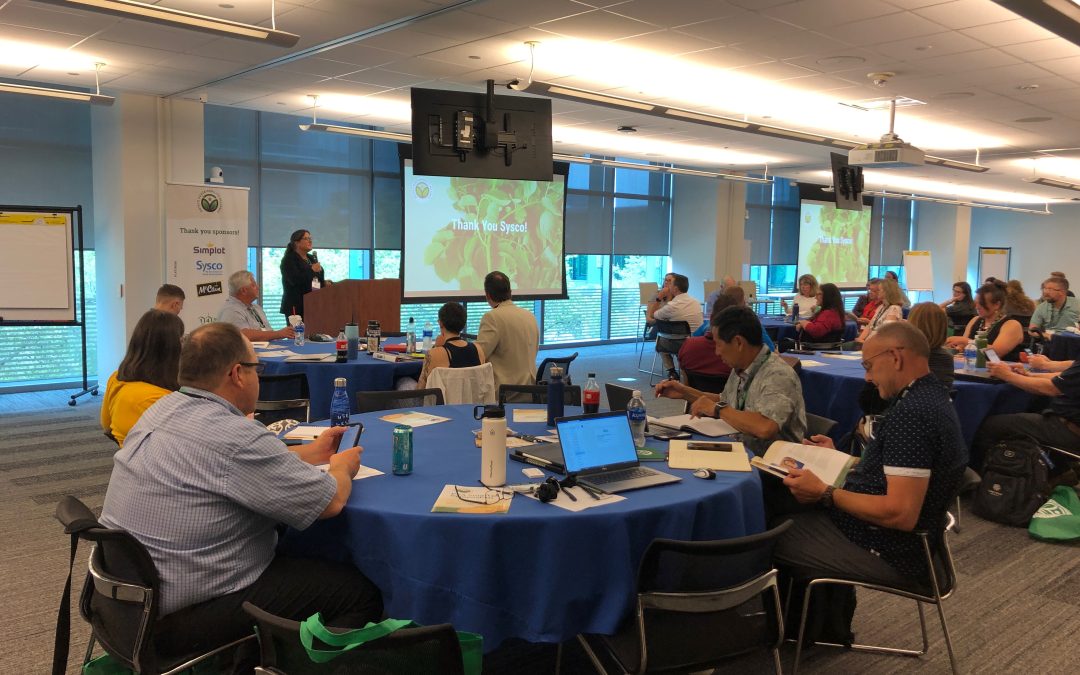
670	336
712	384
536	393
699	603
370	401
120	598
939	585
283	397
427	649
815	424
543	371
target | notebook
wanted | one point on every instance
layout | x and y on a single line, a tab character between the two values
599	451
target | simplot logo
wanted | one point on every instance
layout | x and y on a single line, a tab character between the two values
209	201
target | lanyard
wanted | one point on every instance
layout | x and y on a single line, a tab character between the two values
747	376
251	310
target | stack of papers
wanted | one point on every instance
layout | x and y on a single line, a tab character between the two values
311	357
708	455
706	426
472	499
304	433
413	419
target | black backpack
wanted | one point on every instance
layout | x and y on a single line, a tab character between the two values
1015	483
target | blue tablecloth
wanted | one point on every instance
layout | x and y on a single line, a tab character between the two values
779	327
833	390
365	373
1064	346
538	572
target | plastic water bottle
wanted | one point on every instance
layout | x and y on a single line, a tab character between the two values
971	353
410	337
299	328
794	312
555	392
635	412
427	336
341	346
590	395
339	404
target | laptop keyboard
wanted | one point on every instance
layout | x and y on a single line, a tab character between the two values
618	476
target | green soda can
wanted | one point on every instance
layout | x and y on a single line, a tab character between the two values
403	462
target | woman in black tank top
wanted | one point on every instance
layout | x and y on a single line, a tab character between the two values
1004	334
451	350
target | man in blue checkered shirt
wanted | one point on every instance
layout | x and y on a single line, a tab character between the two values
203	488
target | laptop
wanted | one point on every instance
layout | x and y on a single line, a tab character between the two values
617	396
598	450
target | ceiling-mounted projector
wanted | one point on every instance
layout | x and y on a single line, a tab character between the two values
894	153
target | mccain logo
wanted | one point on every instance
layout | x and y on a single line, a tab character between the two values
212	288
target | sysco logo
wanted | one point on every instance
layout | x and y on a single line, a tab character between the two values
209	267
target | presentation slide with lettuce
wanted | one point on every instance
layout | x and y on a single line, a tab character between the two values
834	244
459	229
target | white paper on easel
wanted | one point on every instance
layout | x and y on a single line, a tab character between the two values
918	271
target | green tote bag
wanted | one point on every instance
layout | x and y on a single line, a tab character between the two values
1059	518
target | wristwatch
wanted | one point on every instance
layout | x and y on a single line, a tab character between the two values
826	499
720	405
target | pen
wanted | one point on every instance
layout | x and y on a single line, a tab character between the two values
569	494
595	492
534	439
589	492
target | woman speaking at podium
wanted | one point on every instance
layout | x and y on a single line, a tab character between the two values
301	273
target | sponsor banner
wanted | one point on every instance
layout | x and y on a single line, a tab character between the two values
205	242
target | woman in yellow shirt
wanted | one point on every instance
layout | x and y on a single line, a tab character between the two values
147	373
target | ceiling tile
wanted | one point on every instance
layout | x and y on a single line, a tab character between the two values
1042	50
598	25
360	55
529	13
384	79
241	51
318	66
411	40
871	61
122	54
883	29
672	13
1069	67
428	67
666	42
775	71
1008	33
46	38
159	37
741	28
724	57
814	14
974	60
38	16
464	25
965	13
795	45
929	46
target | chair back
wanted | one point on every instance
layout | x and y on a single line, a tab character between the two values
815	424
536	393
701	602
283	397
475	384
427	649
712	384
370	401
543	371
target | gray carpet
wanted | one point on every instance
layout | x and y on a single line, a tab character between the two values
1017	608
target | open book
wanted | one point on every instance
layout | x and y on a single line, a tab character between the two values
706	426
829	465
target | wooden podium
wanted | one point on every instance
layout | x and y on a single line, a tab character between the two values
328	309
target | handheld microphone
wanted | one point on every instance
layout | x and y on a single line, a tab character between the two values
314	256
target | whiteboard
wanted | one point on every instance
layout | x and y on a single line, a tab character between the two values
918	271
37	279
994	262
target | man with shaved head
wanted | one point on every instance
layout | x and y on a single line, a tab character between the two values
910	470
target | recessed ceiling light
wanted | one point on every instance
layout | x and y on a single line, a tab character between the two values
1030	120
952	95
841	61
924	48
226	5
626	129
1027	87
474	56
72	73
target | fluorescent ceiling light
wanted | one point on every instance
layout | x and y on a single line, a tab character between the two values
70	94
406	138
571	92
890	181
1061	167
710	119
28	55
956	164
956	202
731	93
129	9
1050	182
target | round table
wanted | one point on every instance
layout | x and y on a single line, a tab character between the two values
365	373
538	572
832	390
780	327
1063	346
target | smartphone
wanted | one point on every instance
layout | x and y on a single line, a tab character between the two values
991	355
663	434
712	447
356	438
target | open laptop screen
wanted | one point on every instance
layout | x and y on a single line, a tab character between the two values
594	441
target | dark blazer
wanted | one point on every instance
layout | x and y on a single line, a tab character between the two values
296	276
